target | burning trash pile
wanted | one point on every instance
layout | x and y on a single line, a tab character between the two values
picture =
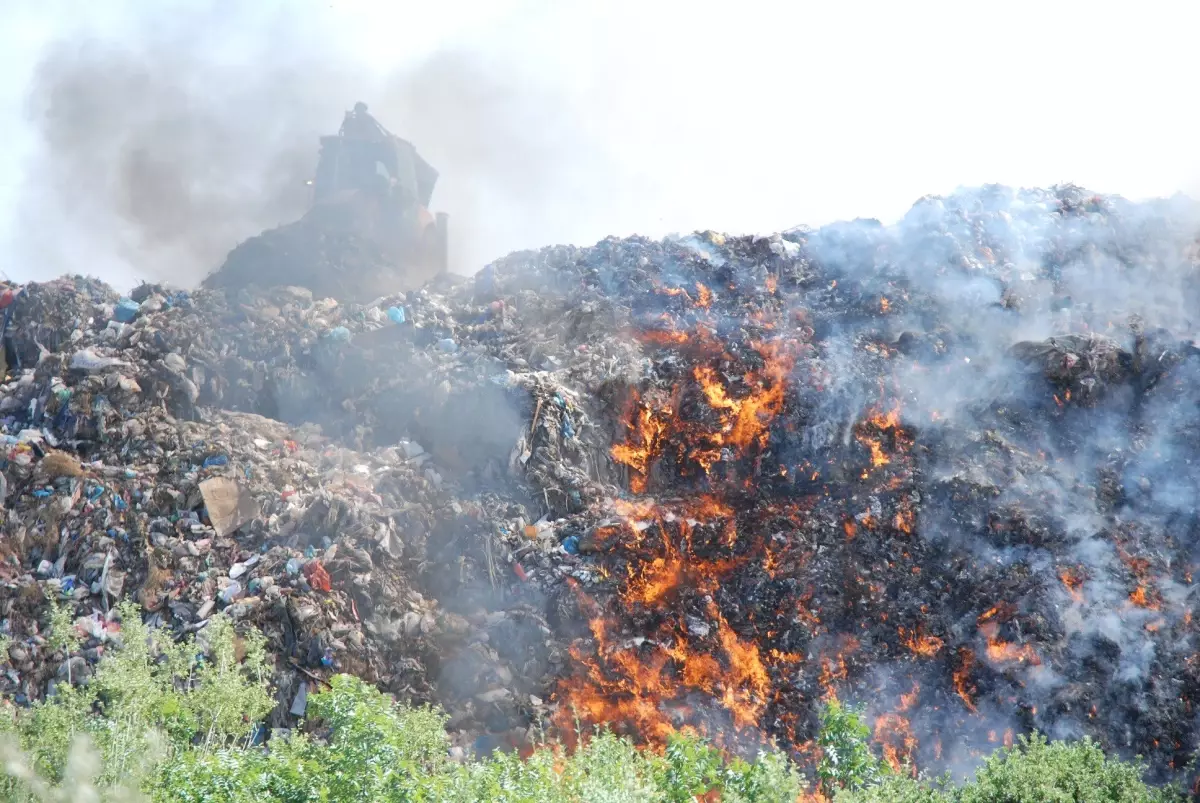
944	468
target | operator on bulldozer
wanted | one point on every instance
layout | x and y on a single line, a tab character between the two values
359	123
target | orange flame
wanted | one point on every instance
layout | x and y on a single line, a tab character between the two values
904	520
1073	580
1005	652
883	423
648	425
654	580
1144	598
894	734
926	646
962	677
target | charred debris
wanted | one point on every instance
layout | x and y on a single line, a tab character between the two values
945	468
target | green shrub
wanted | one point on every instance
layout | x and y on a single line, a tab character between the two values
170	721
1036	771
154	698
846	759
1031	771
375	750
897	789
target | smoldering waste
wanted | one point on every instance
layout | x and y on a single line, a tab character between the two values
946	468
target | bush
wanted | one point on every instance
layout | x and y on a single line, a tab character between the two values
162	721
846	758
376	750
150	699
1031	771
1036	770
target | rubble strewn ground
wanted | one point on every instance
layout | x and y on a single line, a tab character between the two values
946	468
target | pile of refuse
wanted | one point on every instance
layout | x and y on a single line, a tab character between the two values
944	468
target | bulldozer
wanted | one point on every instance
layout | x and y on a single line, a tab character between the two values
368	229
370	181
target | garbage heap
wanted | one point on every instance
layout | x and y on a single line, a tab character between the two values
944	468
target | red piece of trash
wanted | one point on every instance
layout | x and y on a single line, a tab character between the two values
6	298
317	577
519	571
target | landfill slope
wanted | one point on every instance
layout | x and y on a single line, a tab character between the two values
946	468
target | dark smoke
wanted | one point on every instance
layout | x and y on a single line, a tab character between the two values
160	150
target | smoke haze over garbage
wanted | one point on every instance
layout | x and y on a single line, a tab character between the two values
947	463
148	142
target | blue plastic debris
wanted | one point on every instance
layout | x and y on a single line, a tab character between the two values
215	461
571	545
448	345
180	299
231	592
42	493
568	428
126	310
396	314
340	334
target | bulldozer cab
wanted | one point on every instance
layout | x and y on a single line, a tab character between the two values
365	156
373	183
354	165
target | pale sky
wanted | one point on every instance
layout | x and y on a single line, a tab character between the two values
662	117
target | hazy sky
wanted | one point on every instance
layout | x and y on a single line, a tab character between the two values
567	121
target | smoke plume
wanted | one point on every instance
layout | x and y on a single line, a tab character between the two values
160	149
